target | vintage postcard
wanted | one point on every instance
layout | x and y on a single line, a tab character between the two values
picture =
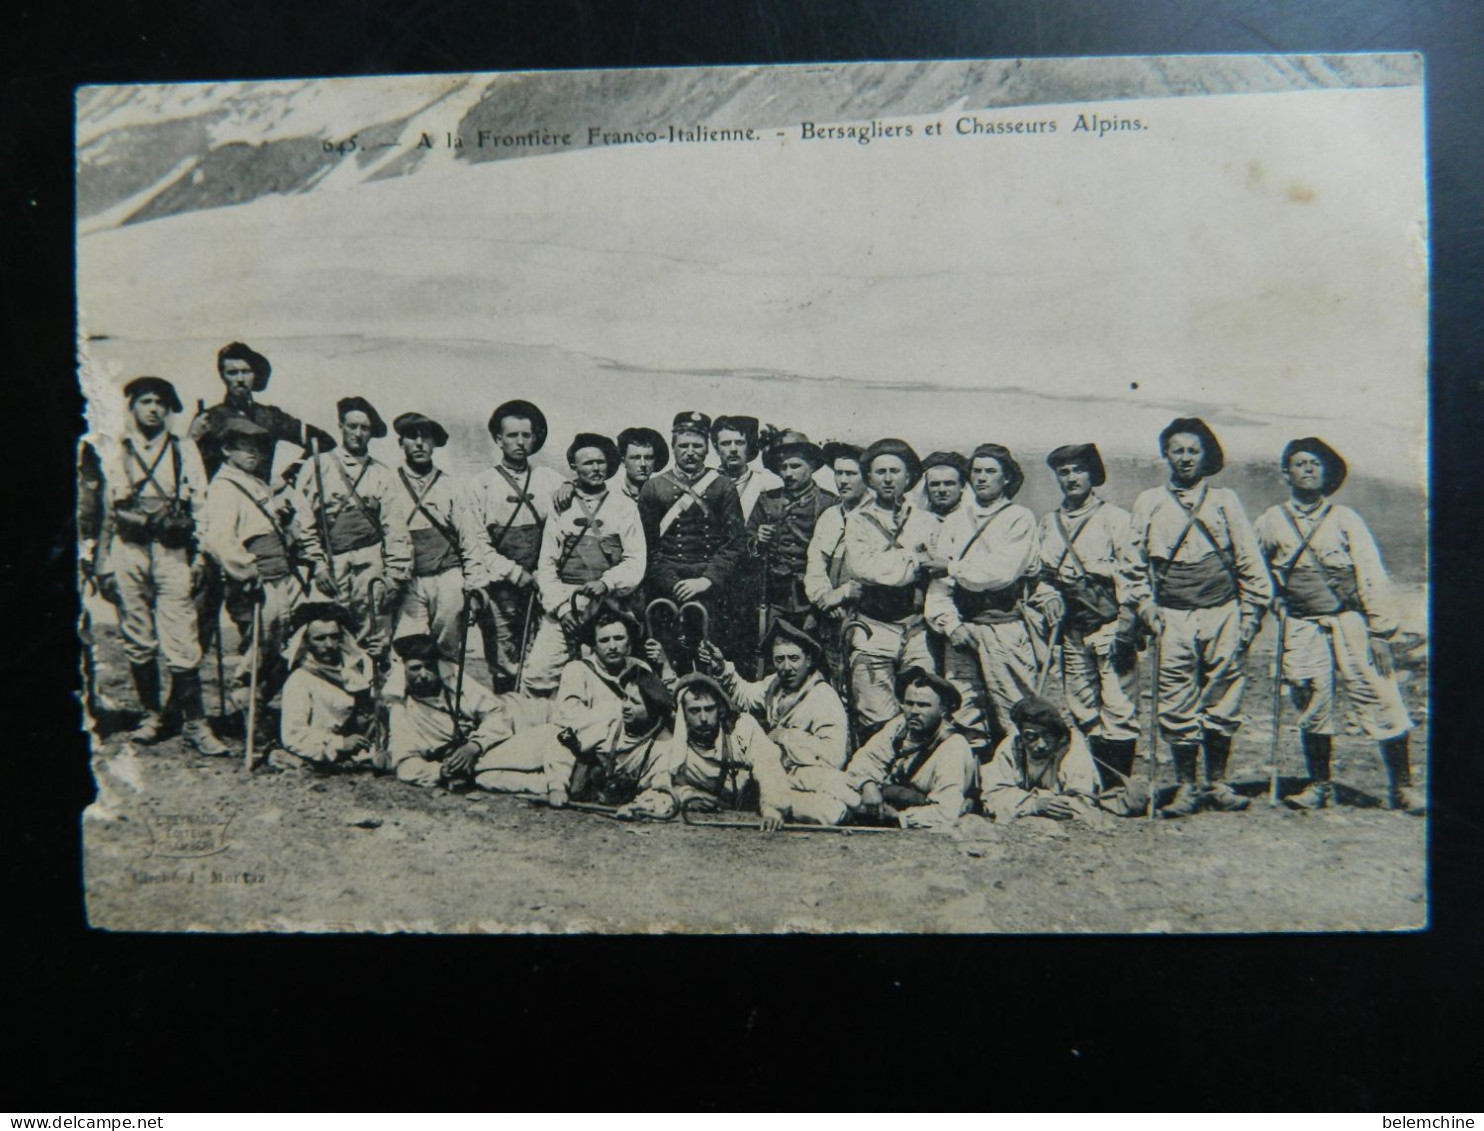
963	496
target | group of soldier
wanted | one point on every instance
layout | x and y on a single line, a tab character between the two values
732	616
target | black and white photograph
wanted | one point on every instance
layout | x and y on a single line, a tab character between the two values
955	497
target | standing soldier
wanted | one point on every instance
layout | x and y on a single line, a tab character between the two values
1337	622
829	589
944	476
1202	593
262	540
888	553
156	493
1084	551
782	526
643	452
426	508
357	503
504	514
592	548
980	605
693	528
736	442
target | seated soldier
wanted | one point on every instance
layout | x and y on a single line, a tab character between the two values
1043	768
441	728
917	771
803	715
328	710
718	758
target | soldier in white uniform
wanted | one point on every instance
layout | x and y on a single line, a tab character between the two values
829	589
427	508
1202	589
150	556
505	512
1084	550
888	553
1334	593
980	604
592	548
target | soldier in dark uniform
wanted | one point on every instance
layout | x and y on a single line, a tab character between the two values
782	525
693	528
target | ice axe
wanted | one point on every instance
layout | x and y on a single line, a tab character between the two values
1052	647
1154	650
250	755
1277	704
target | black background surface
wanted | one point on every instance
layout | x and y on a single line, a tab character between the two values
119	1022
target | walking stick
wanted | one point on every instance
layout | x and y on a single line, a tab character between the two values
221	669
847	685
1277	705
1052	647
1154	650
375	597
525	640
250	757
320	513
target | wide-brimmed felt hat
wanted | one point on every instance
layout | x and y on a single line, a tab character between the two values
602	443
311	611
645	438
947	459
791	443
1037	712
696	422
410	423
142	386
240	427
1014	476
347	405
748	426
417	646
1085	454
609	611
1335	468
916	674
240	351
839	449
521	410
1215	458
891	446
701	679
783	630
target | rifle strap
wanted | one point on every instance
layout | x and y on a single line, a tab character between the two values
353	490
283	538
420	506
1069	538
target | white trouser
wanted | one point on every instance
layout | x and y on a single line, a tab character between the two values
157	615
1320	651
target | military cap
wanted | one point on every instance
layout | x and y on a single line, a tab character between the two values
417	646
791	443
1037	712
947	459
1214	460
240	427
652	691
697	422
410	423
782	630
839	449
239	351
645	438
611	612
1085	454
311	611
162	388
521	410
916	674
602	443
347	405
1335	468
894	447
706	682
1014	477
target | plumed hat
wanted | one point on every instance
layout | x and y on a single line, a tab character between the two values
1014	477
1085	454
791	443
645	438
1193	425
915	675
347	405
410	423
602	443
521	410
894	447
141	386
1335	469
239	351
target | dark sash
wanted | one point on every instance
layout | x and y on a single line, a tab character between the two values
269	553
992	606
432	552
890	602
521	544
1205	584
